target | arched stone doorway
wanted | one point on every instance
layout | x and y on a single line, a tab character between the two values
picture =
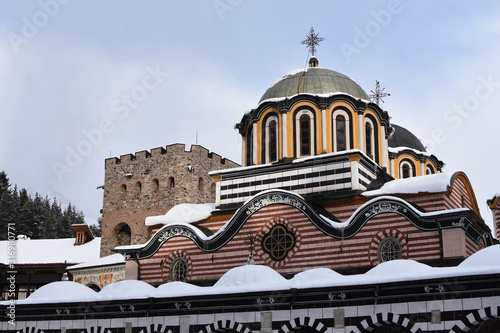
123	234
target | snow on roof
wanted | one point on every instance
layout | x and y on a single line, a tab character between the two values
398	149
324	95
61	292
126	289
251	278
113	259
185	213
51	251
429	183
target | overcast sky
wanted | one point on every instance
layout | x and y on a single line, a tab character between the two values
81	81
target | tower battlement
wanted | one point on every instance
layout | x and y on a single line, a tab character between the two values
172	149
150	182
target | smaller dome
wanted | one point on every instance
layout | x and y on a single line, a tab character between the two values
401	137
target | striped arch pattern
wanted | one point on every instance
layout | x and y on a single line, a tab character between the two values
476	317
303	322
221	326
370	323
158	329
168	262
373	252
96	329
258	240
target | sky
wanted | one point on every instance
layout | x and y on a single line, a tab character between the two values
81	81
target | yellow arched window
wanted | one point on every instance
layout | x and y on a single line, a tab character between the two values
272	140
305	135
369	139
340	133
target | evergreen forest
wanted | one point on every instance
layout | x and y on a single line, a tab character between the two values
36	217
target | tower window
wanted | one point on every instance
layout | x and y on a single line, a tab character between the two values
273	153
369	140
249	146
340	133
305	135
171	182
123	190
138	188
200	184
156	185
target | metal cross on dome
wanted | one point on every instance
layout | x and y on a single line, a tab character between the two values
312	41
377	95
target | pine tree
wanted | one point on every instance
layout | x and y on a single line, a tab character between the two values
47	229
96	229
37	217
25	221
69	217
15	209
57	219
4	183
5	214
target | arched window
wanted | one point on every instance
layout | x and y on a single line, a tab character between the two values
138	188
200	184
179	269
429	170
171	182
156	185
406	169
123	190
340	133
305	135
369	139
249	146
272	140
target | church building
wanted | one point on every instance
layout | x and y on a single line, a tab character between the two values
327	181
337	221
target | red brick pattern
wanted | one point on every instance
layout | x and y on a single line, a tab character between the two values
314	249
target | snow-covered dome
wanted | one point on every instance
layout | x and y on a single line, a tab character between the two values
401	137
315	81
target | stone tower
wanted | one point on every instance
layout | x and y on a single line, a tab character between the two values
150	183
